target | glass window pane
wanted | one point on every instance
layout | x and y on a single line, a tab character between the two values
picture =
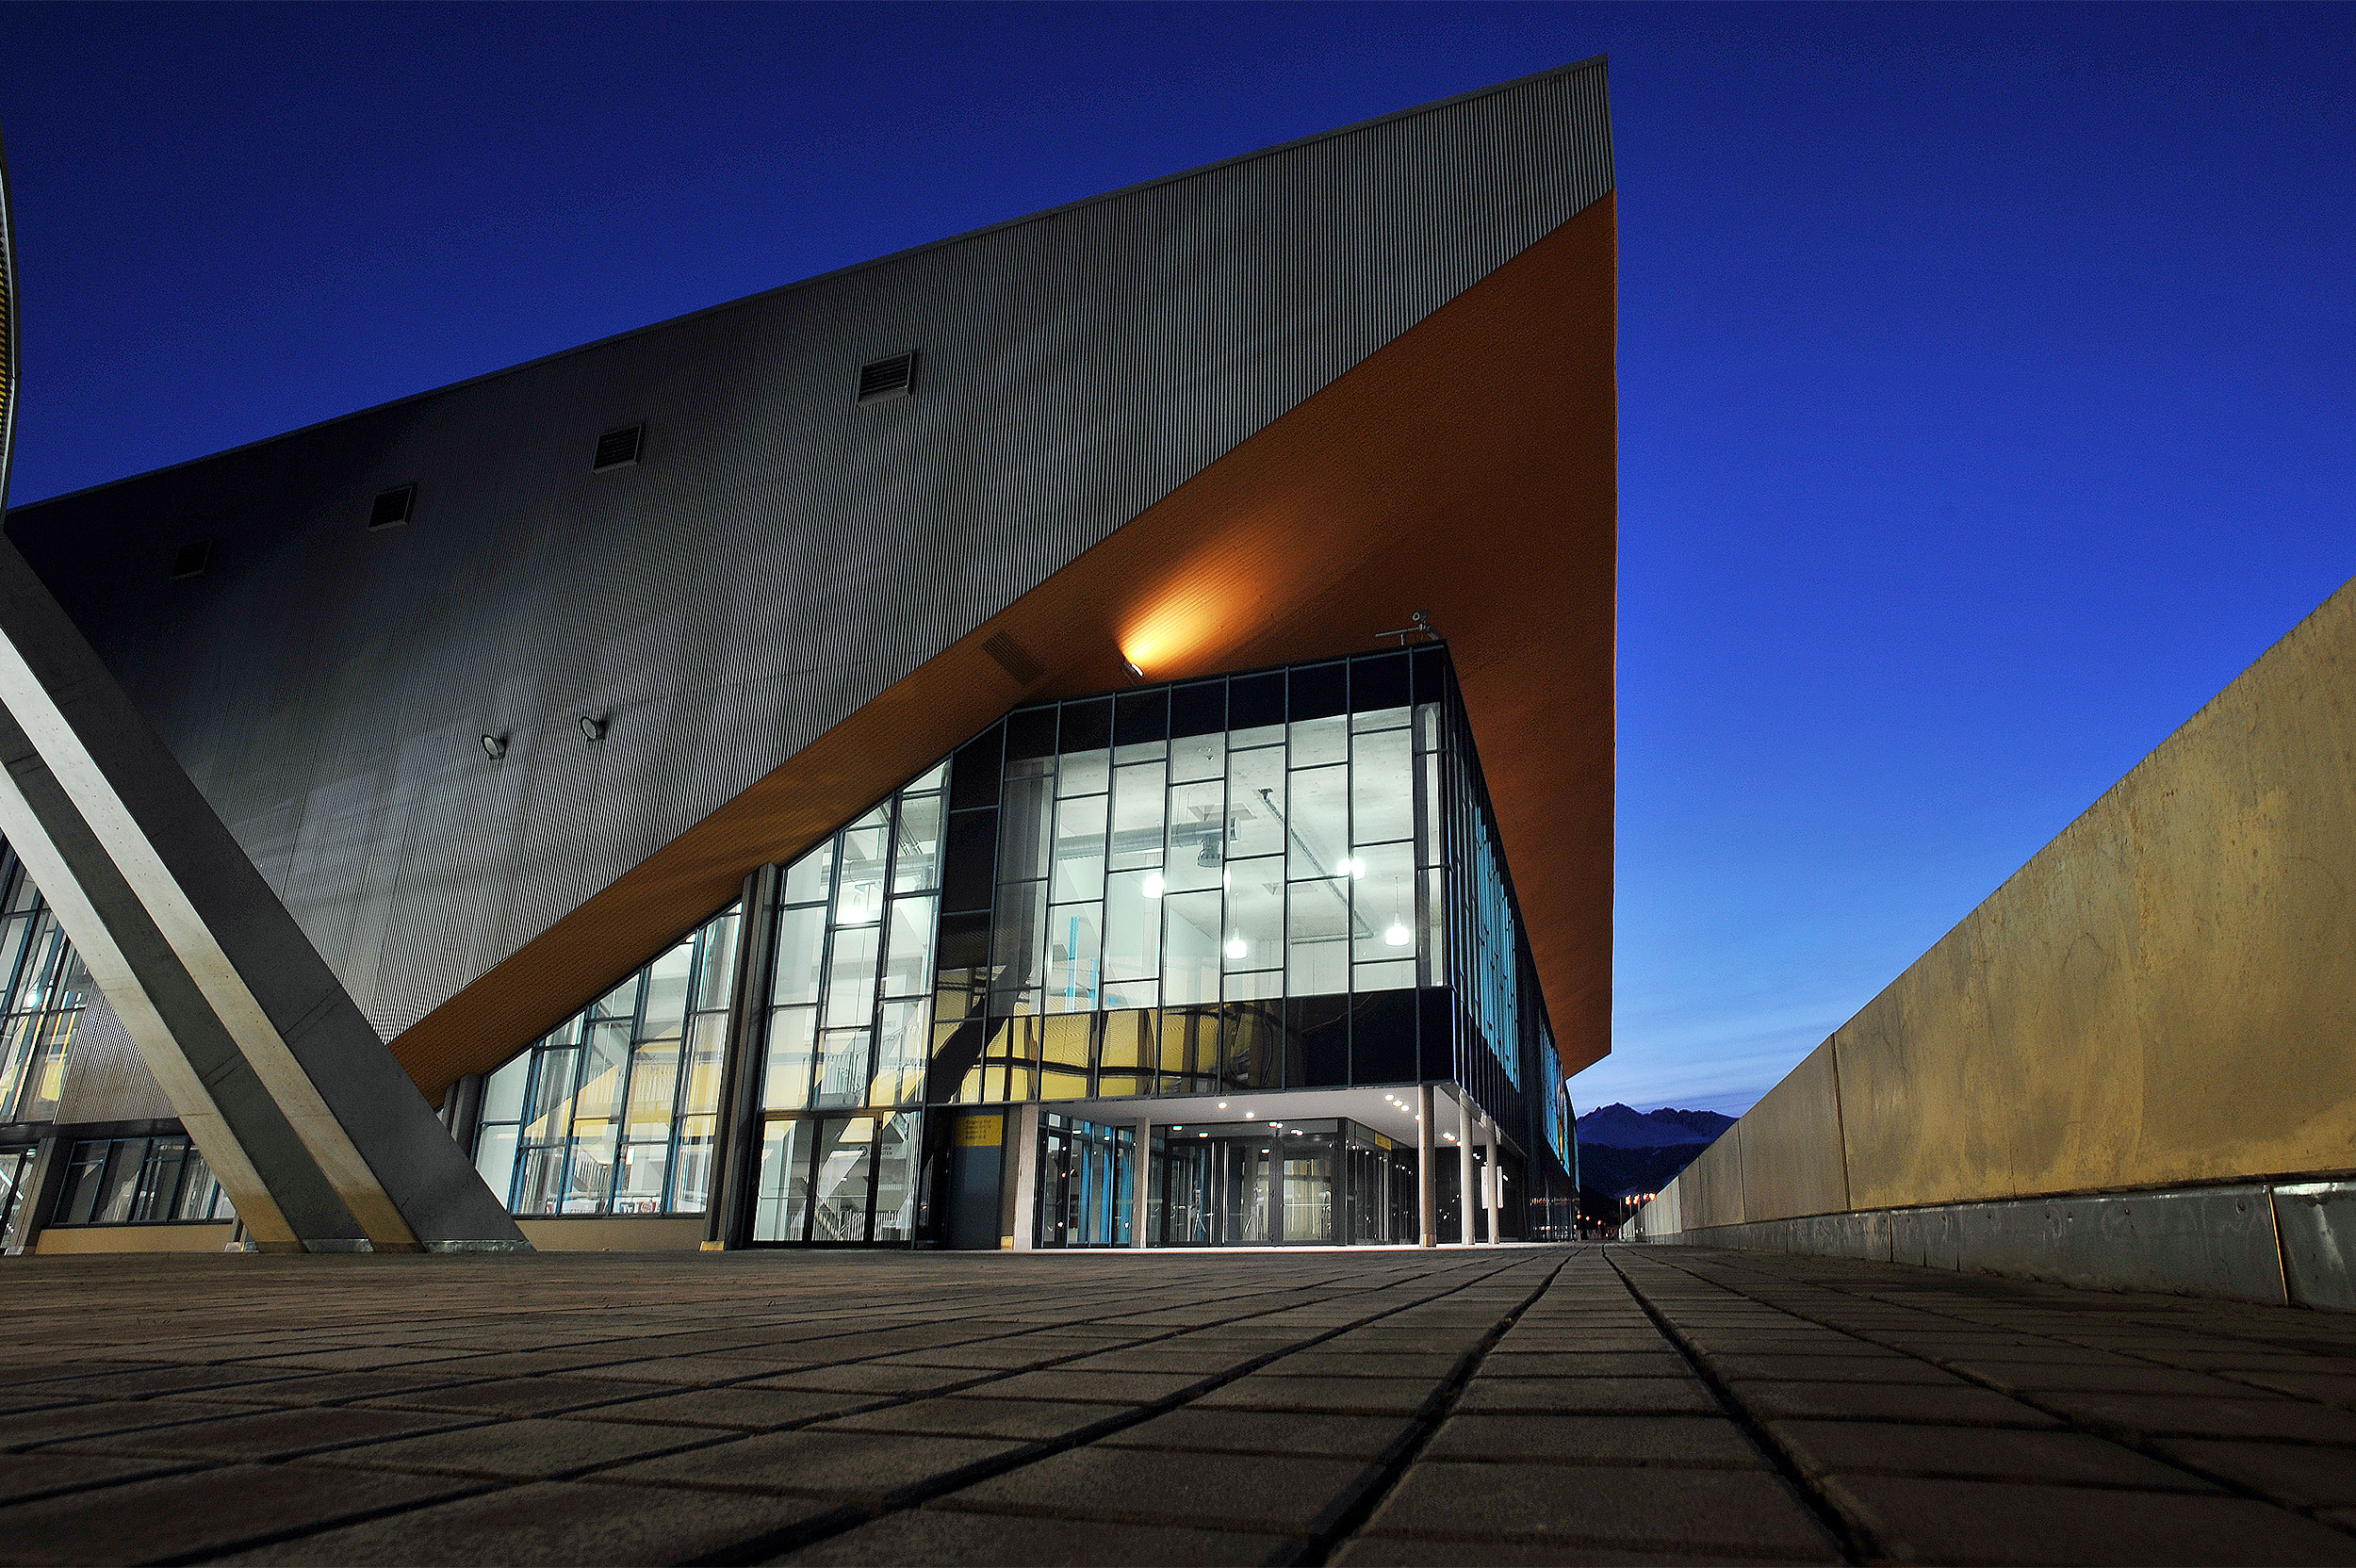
1083	772
1383	977
1317	939
929	782
1383	903
603	1072
1197	835
548	1119
1255	914
716	964
781	1198
851	977
1255	804
1378	718
84	1181
159	1180
1191	944
1074	933
916	849
199	1191
1133	926
1138	797
538	1189
1436	927
644	1166
896	1179
503	1090
801	945
900	1053
909	956
121	1183
707	1048
1197	756
494	1158
619	1003
845	1152
844	1063
589	1179
1319	822
691	1190
1024	817
1263	984
666	993
1080	850
1018	942
793	1050
653	1085
1134	993
1319	740
809	879
859	884
1383	789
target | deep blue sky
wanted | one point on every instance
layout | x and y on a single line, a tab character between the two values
1987	376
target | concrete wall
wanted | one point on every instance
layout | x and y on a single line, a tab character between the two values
2163	998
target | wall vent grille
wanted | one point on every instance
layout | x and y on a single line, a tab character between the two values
618	448
392	507
895	377
195	560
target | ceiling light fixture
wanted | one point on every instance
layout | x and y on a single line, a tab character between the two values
1153	884
1397	935
1235	948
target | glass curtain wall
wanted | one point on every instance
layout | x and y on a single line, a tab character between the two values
46	990
612	1111
155	1181
849	1016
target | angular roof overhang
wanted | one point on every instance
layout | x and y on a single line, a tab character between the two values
1467	469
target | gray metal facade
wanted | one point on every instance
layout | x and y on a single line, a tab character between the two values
778	558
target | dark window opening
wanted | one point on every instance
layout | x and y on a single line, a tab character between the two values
392	507
618	448
894	376
195	560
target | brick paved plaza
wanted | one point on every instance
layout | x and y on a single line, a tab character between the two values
1523	1405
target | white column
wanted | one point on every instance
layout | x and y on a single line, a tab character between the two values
1467	1194
1496	1179
1025	1151
1424	1172
1143	1181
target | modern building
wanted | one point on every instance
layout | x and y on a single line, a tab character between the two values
1095	732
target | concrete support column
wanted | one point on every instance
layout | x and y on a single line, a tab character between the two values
1424	1157
1467	1194
1144	1181
1495	1191
1024	1220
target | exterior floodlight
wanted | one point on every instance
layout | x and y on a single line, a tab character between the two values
591	730
494	746
1131	665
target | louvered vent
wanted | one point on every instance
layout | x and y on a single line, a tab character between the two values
886	378
392	507
195	560
618	448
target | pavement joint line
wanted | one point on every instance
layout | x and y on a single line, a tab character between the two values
1855	1541
810	1532
342	1521
2120	1437
1341	1519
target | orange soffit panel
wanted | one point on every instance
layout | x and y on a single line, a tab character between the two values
1468	469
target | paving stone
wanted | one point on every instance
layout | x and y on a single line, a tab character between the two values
2049	1377
37	1475
870	1377
60	1423
1685	1395
265	1435
517	1451
2333	1388
1713	1512
1964	1406
740	1409
2009	1522
1347	1363
568	1523
1341	1396
2295	1472
1111	1388
2138	1416
1887	1370
359	1358
320	1388
1029	1420
1828	1447
141	1382
683	1371
872	1468
1507	1362
1251	1431
1401	1551
1705	1442
988	1541
202	1512
510	1397
1233	1492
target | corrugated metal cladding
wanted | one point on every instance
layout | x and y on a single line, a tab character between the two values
778	557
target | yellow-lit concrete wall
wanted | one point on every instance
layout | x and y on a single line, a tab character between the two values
133	1238
2164	994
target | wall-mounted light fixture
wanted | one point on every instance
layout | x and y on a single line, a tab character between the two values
494	746
592	729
